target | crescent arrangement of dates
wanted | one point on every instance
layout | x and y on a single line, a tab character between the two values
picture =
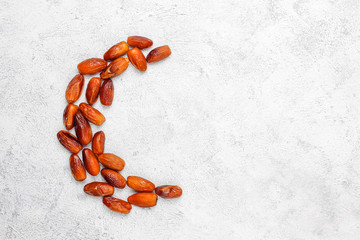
81	117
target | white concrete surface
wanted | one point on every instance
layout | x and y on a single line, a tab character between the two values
256	115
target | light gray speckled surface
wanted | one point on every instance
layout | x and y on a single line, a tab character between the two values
256	115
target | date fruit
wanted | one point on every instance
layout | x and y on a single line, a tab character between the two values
113	178
82	129
92	90
158	54
91	66
99	189
168	191
69	141
139	42
140	184
98	143
143	199
107	92
117	205
90	161
68	116
92	114
74	89
77	168
137	59
80	117
115	68
111	161
116	51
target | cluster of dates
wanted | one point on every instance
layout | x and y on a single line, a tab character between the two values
80	116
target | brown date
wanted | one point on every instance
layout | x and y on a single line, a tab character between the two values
117	205
140	184
111	161
92	90
98	143
69	141
113	178
137	59
158	54
143	199
139	42
116	51
77	168
68	116
82	129
90	161
168	191
115	68
107	92
99	189
74	89
92	114
91	66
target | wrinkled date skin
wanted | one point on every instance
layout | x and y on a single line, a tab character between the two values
139	42
92	90
82	129
113	178
111	161
107	92
90	161
117	205
91	66
158	54
77	168
117	67
74	89
69	141
116	51
68	116
92	114
98	143
140	184
137	59
168	191
99	189
143	199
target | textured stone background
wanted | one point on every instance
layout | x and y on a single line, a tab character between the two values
256	115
